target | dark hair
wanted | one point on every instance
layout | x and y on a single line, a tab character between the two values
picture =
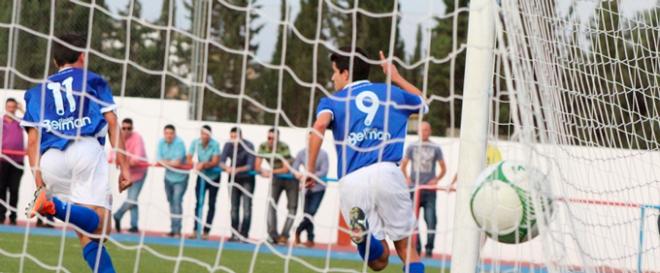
274	131
236	130
360	67
207	128
11	100
62	53
169	126
127	120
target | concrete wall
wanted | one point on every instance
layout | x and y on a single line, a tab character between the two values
579	234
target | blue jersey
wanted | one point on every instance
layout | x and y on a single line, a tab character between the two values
67	112
369	126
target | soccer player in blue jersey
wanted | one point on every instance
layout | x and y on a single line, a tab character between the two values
369	122
67	119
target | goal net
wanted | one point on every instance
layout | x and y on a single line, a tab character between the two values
575	94
574	89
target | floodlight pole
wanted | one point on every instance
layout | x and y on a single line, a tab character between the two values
196	96
474	131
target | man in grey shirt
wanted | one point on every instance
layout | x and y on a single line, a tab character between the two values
424	157
313	195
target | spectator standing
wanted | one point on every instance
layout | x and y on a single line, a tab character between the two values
10	164
424	157
239	152
208	178
282	181
137	160
172	155
313	193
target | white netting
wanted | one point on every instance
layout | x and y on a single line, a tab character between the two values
574	92
579	81
207	64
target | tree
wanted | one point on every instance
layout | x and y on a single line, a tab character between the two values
615	108
225	69
307	65
447	115
31	56
372	34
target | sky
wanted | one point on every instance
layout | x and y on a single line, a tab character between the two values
413	13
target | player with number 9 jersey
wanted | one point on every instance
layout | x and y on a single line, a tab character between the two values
70	104
370	130
369	123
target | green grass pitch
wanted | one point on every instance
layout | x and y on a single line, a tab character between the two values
47	250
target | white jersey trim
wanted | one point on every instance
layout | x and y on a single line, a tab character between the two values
332	115
109	108
353	84
24	123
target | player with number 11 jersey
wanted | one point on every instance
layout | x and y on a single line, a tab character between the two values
73	105
67	119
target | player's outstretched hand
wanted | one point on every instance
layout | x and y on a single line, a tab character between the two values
310	182
389	67
124	179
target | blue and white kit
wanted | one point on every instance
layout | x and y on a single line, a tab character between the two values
369	123
69	111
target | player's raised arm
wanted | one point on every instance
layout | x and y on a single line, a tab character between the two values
390	68
117	142
33	155
315	141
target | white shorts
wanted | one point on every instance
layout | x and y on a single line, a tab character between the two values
380	190
78	174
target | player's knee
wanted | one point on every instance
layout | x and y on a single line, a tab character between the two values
381	263
378	264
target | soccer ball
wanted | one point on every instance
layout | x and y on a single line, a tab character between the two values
503	205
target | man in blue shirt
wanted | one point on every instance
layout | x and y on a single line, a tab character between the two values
368	122
208	178
172	155
67	119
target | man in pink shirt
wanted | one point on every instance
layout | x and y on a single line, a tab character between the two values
11	164
137	160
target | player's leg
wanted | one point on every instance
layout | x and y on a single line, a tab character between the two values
365	227
84	162
409	256
417	242
51	201
93	249
395	208
90	186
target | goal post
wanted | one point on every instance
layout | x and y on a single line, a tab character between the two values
474	131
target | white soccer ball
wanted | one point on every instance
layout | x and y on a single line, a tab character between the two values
508	200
